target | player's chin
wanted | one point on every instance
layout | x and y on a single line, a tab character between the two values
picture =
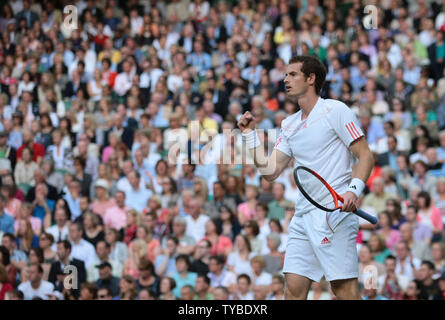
292	96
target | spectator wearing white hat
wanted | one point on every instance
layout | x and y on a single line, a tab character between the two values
102	201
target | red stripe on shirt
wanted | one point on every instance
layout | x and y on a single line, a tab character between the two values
349	130
358	133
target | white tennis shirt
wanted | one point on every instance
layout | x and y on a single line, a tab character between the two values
321	143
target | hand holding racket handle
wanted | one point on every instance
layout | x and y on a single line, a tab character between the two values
362	213
366	216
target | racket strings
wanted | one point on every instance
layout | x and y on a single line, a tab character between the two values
315	189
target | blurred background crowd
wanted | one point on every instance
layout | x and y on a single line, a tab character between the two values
108	187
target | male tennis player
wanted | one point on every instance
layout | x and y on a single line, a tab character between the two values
325	136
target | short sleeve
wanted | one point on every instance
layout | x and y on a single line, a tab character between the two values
346	124
282	144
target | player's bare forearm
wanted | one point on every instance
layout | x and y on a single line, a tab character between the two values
360	149
361	171
271	166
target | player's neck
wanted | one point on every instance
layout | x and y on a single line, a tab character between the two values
307	103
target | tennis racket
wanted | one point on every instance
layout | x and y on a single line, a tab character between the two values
318	192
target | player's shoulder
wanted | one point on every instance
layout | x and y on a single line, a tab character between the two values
332	108
291	118
335	105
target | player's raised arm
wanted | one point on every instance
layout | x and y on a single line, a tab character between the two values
271	166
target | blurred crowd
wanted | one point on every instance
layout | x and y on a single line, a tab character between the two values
121	177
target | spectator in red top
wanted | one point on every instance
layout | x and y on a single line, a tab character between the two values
28	141
5	261
100	37
133	220
107	74
5	286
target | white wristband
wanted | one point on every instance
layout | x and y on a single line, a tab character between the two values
356	186
252	139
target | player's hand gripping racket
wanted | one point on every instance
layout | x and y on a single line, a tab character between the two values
318	192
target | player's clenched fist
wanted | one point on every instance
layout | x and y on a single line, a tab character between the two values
247	122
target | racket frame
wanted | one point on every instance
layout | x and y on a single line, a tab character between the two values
336	197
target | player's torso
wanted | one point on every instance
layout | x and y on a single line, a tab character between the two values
316	145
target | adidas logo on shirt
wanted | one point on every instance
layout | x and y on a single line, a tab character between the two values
325	241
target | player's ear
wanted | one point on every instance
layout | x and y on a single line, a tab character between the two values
311	78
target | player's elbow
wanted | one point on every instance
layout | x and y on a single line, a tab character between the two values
367	157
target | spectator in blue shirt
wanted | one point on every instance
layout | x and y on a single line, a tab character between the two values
200	60
182	276
42	205
165	264
137	197
372	129
6	221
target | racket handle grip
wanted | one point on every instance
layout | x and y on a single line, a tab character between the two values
366	216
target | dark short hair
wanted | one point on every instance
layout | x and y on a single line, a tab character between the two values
108	290
146	264
190	287
151	293
81	161
390	257
226	291
204	277
393	137
78	226
184	258
174	239
220	259
311	64
429	264
244	276
66	244
220	183
10	236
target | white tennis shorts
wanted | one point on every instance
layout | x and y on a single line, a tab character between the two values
314	249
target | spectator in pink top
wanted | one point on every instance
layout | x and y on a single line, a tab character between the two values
220	243
116	216
113	140
103	201
12	205
25	213
390	235
430	215
247	209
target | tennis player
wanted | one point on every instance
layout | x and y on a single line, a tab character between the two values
325	136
